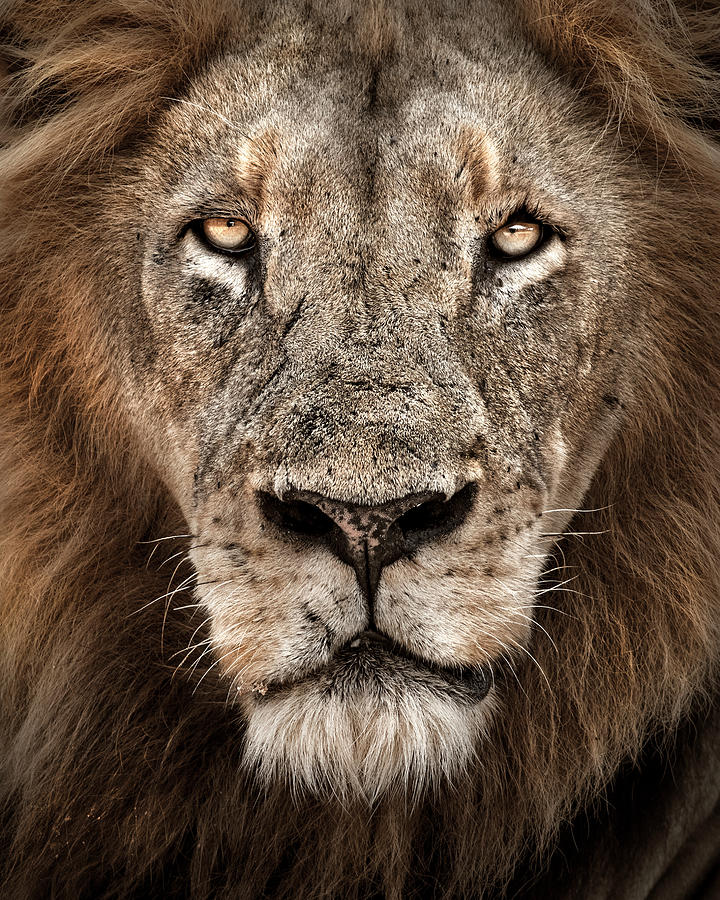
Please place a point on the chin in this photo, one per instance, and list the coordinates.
(374, 721)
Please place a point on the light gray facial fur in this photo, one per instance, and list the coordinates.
(372, 348)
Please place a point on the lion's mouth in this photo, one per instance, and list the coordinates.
(477, 679)
(374, 661)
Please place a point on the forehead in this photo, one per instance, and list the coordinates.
(313, 106)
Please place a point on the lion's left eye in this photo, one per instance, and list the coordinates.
(230, 235)
(517, 238)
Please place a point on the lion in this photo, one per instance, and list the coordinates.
(360, 449)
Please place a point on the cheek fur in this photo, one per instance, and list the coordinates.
(267, 625)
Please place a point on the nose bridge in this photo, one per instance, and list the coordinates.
(373, 402)
(357, 329)
(366, 324)
(372, 416)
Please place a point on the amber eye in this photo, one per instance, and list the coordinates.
(517, 238)
(230, 235)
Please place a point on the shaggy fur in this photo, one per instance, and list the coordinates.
(120, 776)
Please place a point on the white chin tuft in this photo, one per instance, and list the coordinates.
(374, 739)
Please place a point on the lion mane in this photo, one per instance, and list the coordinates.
(120, 771)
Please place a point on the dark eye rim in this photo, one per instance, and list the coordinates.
(196, 226)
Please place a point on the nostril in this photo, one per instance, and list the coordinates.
(435, 517)
(295, 515)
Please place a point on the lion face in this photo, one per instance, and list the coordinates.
(376, 347)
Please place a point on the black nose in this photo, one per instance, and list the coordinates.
(369, 537)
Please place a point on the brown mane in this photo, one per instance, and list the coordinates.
(120, 776)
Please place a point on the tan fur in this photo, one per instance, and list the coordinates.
(121, 773)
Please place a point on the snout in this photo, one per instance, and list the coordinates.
(368, 538)
(358, 511)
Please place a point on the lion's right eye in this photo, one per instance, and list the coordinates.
(228, 235)
(517, 238)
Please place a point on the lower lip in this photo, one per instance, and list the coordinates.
(474, 681)
(371, 656)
